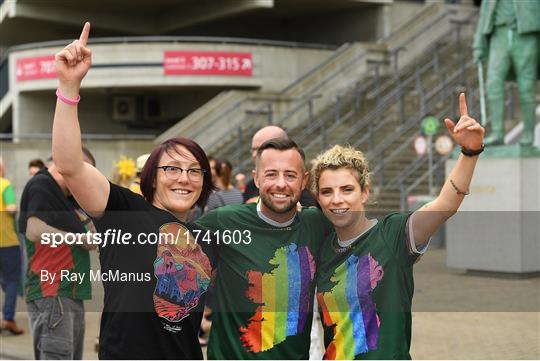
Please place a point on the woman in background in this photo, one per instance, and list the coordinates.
(226, 193)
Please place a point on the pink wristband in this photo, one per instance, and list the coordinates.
(66, 100)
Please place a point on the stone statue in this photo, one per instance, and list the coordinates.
(508, 37)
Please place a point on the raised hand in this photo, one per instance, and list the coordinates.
(73, 62)
(468, 133)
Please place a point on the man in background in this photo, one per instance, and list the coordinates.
(34, 166)
(10, 253)
(251, 192)
(55, 305)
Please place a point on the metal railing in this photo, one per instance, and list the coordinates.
(240, 153)
(384, 96)
(4, 78)
(267, 108)
(399, 182)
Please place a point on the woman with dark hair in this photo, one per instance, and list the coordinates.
(154, 274)
(225, 193)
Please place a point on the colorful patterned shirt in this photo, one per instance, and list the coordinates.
(67, 266)
(265, 283)
(365, 293)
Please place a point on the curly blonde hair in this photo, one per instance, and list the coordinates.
(341, 157)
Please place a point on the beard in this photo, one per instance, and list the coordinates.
(279, 209)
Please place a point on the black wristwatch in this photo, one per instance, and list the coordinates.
(472, 153)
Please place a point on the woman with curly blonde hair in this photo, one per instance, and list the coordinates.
(365, 281)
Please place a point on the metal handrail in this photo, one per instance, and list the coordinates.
(409, 39)
(222, 116)
(409, 169)
(436, 167)
(353, 61)
(406, 126)
(366, 120)
(399, 181)
(411, 122)
(420, 179)
(385, 101)
(337, 52)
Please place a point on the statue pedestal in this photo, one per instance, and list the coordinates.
(498, 225)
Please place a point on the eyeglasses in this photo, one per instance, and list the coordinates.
(173, 173)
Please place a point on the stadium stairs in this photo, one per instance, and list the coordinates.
(371, 96)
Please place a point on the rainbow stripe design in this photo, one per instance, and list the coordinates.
(349, 309)
(283, 296)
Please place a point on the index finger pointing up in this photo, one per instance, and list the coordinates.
(83, 39)
(463, 105)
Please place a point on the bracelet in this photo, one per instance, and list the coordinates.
(472, 153)
(459, 191)
(66, 100)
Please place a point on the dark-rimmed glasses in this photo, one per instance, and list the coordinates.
(173, 173)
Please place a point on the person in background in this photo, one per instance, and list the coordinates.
(225, 193)
(251, 192)
(34, 166)
(10, 253)
(135, 185)
(124, 172)
(47, 208)
(240, 182)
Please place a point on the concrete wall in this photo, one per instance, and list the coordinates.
(33, 100)
(273, 67)
(335, 27)
(498, 224)
(402, 11)
(36, 110)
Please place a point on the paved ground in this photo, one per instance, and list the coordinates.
(457, 316)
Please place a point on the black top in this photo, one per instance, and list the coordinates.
(43, 198)
(154, 292)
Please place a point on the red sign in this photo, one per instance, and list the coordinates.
(41, 67)
(207, 63)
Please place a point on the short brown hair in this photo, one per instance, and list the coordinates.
(281, 144)
(36, 163)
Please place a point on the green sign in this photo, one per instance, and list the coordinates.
(430, 125)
